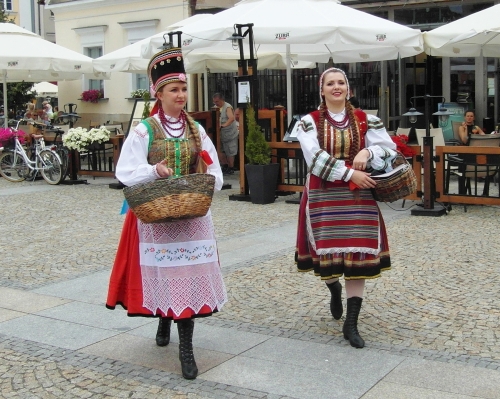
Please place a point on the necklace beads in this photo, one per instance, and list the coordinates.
(342, 124)
(170, 127)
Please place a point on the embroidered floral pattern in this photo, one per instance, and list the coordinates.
(205, 252)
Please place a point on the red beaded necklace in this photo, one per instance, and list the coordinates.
(169, 126)
(342, 124)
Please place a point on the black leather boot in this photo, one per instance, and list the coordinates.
(163, 333)
(336, 301)
(350, 328)
(186, 356)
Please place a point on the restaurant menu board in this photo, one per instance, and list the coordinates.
(137, 111)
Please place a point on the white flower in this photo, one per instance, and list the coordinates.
(79, 138)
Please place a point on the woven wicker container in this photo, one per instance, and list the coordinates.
(166, 200)
(397, 185)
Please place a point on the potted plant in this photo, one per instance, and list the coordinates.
(262, 175)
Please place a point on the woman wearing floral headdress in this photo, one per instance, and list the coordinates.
(341, 230)
(152, 276)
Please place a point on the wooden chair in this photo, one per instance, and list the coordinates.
(437, 141)
(456, 136)
(476, 167)
(117, 123)
(403, 131)
(93, 124)
(115, 129)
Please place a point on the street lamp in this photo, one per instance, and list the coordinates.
(428, 158)
(246, 92)
(70, 117)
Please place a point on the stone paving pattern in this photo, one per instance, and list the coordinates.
(439, 301)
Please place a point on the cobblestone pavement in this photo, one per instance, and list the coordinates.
(439, 301)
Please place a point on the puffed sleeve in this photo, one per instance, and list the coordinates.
(380, 144)
(214, 169)
(133, 167)
(319, 162)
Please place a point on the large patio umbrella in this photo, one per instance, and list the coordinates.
(130, 59)
(26, 56)
(305, 30)
(135, 57)
(472, 36)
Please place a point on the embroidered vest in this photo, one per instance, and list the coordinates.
(181, 154)
(337, 142)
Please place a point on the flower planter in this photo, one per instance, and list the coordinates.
(262, 182)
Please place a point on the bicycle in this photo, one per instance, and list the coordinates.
(16, 166)
(57, 146)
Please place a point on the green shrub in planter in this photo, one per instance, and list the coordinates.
(257, 149)
(262, 175)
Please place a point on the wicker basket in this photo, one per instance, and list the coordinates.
(397, 185)
(166, 200)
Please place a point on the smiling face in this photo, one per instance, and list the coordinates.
(173, 97)
(469, 117)
(334, 89)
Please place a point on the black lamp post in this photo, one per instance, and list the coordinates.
(428, 158)
(247, 92)
(70, 117)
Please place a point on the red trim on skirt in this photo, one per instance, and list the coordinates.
(125, 282)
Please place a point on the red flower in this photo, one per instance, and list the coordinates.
(92, 96)
(402, 146)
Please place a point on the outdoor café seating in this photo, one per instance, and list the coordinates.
(475, 169)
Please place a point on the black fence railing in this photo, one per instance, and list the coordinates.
(364, 82)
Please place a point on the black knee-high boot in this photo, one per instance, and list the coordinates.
(186, 356)
(336, 301)
(163, 333)
(350, 329)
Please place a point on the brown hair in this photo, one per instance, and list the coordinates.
(194, 132)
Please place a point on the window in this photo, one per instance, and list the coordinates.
(136, 31)
(141, 81)
(94, 52)
(92, 42)
(7, 5)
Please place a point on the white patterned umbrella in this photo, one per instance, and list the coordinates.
(304, 30)
(471, 36)
(26, 56)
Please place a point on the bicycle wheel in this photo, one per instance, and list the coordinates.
(50, 166)
(64, 157)
(12, 166)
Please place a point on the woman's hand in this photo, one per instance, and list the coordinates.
(361, 159)
(363, 179)
(162, 170)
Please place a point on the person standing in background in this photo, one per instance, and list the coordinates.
(228, 132)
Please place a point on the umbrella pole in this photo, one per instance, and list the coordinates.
(5, 109)
(289, 85)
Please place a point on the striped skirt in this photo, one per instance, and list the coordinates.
(340, 232)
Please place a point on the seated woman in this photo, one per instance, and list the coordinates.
(468, 128)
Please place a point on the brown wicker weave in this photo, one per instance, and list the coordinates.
(166, 200)
(398, 185)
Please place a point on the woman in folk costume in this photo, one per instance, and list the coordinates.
(152, 274)
(341, 230)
